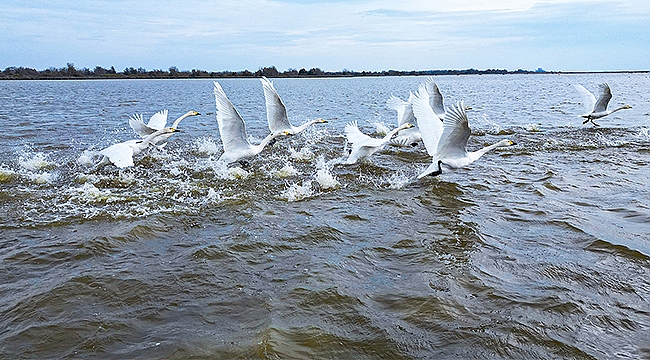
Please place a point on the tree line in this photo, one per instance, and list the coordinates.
(71, 72)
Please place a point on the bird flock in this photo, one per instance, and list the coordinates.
(421, 118)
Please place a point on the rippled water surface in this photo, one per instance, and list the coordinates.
(540, 250)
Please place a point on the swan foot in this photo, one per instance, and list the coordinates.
(244, 164)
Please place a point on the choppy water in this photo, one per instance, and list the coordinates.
(541, 250)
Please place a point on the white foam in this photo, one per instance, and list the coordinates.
(90, 193)
(380, 128)
(287, 171)
(34, 161)
(6, 175)
(206, 146)
(304, 155)
(326, 180)
(86, 158)
(297, 192)
(44, 177)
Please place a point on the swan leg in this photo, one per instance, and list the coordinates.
(244, 164)
(592, 121)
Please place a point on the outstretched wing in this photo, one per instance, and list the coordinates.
(428, 122)
(435, 97)
(354, 135)
(158, 120)
(276, 112)
(119, 154)
(231, 124)
(137, 124)
(588, 99)
(455, 133)
(603, 100)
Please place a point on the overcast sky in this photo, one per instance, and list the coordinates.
(217, 35)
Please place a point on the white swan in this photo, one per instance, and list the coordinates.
(156, 122)
(597, 109)
(122, 154)
(363, 145)
(406, 137)
(276, 112)
(410, 137)
(451, 149)
(232, 128)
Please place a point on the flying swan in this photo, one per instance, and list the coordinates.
(122, 154)
(451, 147)
(597, 109)
(276, 112)
(232, 128)
(363, 145)
(156, 122)
(411, 137)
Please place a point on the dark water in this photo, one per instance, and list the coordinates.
(541, 250)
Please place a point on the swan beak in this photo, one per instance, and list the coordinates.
(322, 120)
(175, 130)
(196, 113)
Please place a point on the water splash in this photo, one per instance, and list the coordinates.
(324, 176)
(206, 146)
(287, 171)
(380, 128)
(304, 155)
(296, 192)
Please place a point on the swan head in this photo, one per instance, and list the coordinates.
(506, 142)
(193, 113)
(407, 126)
(626, 106)
(320, 121)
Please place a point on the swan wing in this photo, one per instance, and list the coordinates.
(354, 135)
(588, 99)
(231, 124)
(603, 99)
(401, 106)
(119, 154)
(455, 133)
(428, 122)
(158, 120)
(276, 112)
(137, 124)
(435, 97)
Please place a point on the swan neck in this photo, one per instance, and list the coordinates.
(264, 143)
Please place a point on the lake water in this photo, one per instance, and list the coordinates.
(539, 250)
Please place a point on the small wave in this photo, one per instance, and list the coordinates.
(7, 175)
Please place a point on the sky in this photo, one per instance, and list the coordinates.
(372, 35)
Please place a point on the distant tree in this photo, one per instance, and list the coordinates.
(268, 72)
(70, 70)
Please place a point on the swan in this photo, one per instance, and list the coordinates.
(597, 109)
(122, 154)
(156, 122)
(363, 145)
(451, 149)
(276, 112)
(406, 137)
(232, 128)
(405, 112)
